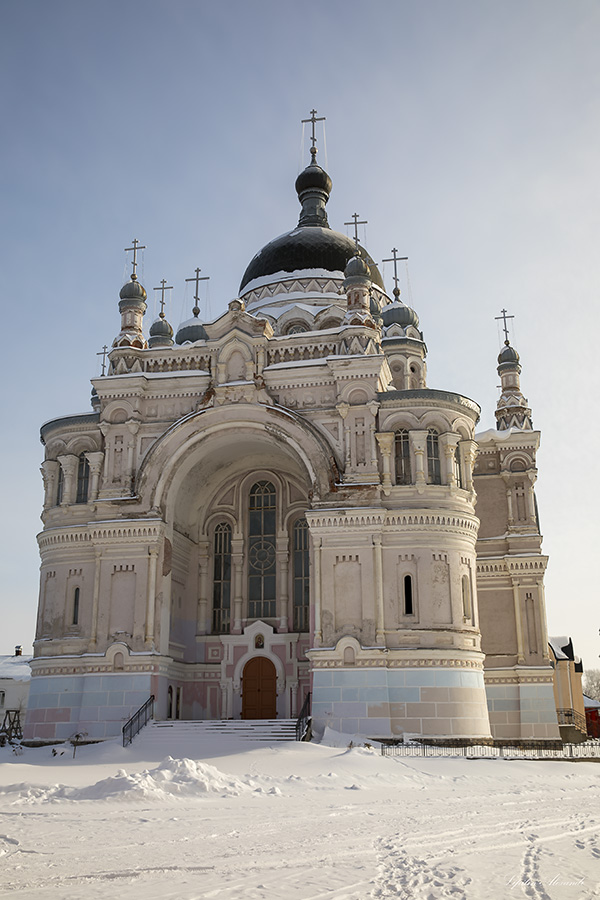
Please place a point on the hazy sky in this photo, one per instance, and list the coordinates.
(466, 133)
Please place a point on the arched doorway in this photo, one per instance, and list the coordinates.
(259, 689)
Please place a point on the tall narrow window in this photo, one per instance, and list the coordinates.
(83, 479)
(466, 597)
(222, 579)
(76, 606)
(408, 595)
(262, 589)
(457, 468)
(402, 445)
(433, 457)
(301, 575)
(60, 485)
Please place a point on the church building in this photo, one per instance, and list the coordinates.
(275, 503)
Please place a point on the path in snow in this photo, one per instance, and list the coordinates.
(296, 822)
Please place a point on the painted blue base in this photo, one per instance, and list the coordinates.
(387, 702)
(99, 705)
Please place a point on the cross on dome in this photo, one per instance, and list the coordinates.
(313, 120)
(135, 248)
(163, 287)
(504, 317)
(356, 223)
(103, 353)
(197, 279)
(395, 259)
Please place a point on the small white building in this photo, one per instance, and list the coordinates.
(15, 678)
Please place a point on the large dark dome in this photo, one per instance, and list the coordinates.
(307, 247)
(312, 244)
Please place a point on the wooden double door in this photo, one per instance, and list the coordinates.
(259, 689)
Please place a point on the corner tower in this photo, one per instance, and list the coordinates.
(511, 566)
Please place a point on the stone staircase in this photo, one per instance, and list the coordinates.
(171, 732)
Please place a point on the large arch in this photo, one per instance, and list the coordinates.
(229, 437)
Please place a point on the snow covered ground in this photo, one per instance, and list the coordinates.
(294, 822)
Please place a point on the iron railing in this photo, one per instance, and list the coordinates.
(570, 717)
(303, 720)
(524, 750)
(138, 720)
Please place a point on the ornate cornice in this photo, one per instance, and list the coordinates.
(389, 519)
(141, 531)
(513, 565)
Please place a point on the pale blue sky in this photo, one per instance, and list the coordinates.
(467, 133)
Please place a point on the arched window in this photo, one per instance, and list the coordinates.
(402, 449)
(300, 575)
(466, 597)
(262, 588)
(407, 590)
(434, 475)
(457, 468)
(222, 579)
(60, 485)
(76, 606)
(83, 479)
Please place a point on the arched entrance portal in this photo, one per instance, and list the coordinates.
(259, 689)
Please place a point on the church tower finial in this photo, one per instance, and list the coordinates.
(132, 306)
(313, 184)
(512, 410)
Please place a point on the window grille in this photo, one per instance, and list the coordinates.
(434, 474)
(222, 579)
(262, 588)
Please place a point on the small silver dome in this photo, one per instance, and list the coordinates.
(133, 290)
(191, 331)
(399, 314)
(508, 354)
(357, 268)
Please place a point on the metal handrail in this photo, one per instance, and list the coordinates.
(140, 718)
(303, 719)
(571, 717)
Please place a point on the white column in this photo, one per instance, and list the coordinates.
(343, 409)
(95, 461)
(95, 597)
(418, 440)
(378, 579)
(151, 596)
(237, 566)
(518, 623)
(373, 408)
(203, 621)
(49, 470)
(283, 573)
(385, 439)
(317, 590)
(69, 464)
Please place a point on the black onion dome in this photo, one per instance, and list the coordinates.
(398, 313)
(133, 290)
(313, 178)
(508, 354)
(307, 247)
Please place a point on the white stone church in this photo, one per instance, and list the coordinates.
(275, 503)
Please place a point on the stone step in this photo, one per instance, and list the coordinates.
(262, 730)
